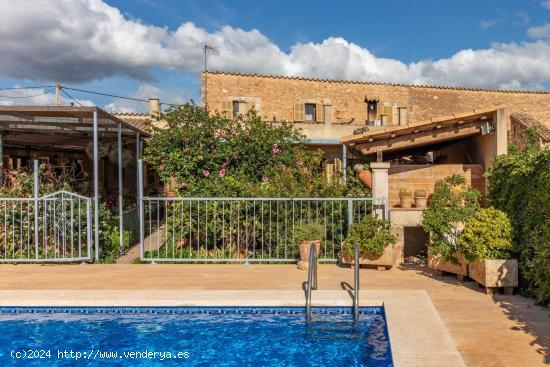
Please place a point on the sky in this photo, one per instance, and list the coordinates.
(153, 48)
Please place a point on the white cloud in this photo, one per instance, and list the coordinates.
(523, 17)
(82, 40)
(488, 23)
(539, 32)
(36, 96)
(545, 4)
(144, 92)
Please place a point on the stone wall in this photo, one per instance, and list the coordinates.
(275, 98)
(424, 177)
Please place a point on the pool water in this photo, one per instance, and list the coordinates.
(192, 336)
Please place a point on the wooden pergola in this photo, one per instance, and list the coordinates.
(419, 133)
(71, 127)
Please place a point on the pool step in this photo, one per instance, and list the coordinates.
(320, 329)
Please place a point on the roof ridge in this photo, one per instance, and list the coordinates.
(328, 80)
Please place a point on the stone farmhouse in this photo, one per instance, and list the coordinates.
(412, 135)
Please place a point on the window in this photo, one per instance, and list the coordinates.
(311, 114)
(239, 108)
(372, 110)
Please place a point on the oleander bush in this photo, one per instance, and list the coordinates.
(487, 235)
(519, 185)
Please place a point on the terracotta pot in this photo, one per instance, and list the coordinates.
(304, 247)
(420, 202)
(366, 178)
(406, 201)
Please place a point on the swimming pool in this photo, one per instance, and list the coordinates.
(192, 336)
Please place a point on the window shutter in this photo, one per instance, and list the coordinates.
(299, 112)
(388, 111)
(320, 112)
(227, 106)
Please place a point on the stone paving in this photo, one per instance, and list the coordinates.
(497, 330)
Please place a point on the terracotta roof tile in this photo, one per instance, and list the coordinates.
(376, 83)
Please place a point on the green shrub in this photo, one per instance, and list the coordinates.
(519, 185)
(309, 232)
(372, 235)
(405, 192)
(452, 202)
(488, 235)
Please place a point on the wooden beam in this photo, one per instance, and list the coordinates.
(422, 138)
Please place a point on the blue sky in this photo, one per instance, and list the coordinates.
(144, 48)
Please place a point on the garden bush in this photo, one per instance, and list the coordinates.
(453, 203)
(372, 235)
(487, 235)
(519, 185)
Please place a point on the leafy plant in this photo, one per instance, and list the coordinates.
(420, 194)
(372, 235)
(405, 192)
(309, 231)
(452, 203)
(488, 235)
(519, 185)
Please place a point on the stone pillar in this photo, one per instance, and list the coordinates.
(154, 108)
(502, 122)
(380, 188)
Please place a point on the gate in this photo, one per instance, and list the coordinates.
(55, 228)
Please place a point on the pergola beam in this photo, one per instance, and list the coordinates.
(421, 138)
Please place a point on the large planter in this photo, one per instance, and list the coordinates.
(304, 247)
(495, 273)
(366, 178)
(383, 261)
(437, 263)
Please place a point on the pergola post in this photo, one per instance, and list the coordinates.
(96, 186)
(120, 197)
(138, 156)
(345, 163)
(1, 159)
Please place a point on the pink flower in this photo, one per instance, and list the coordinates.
(233, 132)
(275, 149)
(222, 173)
(201, 158)
(264, 178)
(299, 162)
(206, 173)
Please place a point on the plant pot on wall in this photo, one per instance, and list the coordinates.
(405, 197)
(420, 199)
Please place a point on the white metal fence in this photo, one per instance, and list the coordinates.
(56, 227)
(51, 228)
(244, 229)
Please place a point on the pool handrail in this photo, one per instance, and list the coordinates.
(311, 279)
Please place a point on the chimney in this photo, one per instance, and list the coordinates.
(154, 108)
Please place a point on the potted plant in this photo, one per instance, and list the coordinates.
(420, 199)
(452, 204)
(486, 243)
(306, 235)
(363, 173)
(375, 242)
(405, 197)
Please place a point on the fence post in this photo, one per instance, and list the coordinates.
(350, 212)
(36, 172)
(140, 208)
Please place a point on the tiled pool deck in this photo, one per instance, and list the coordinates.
(487, 331)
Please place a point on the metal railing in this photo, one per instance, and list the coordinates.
(243, 229)
(311, 280)
(356, 284)
(52, 228)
